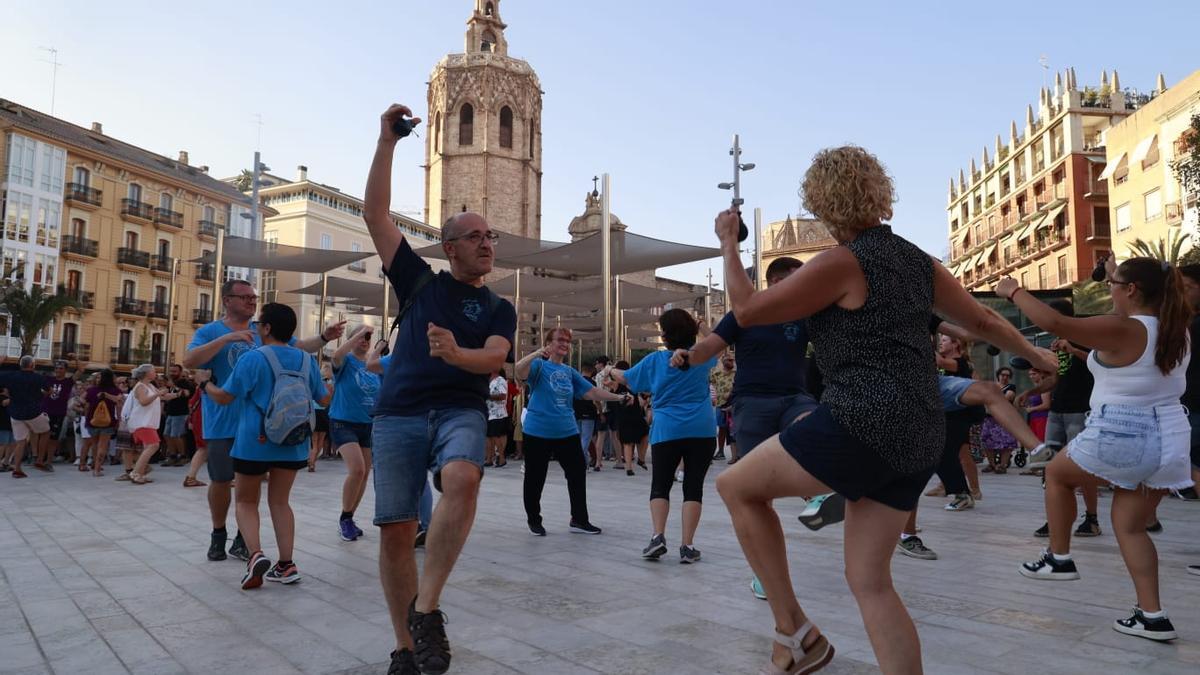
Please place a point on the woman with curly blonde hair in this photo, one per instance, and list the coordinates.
(878, 432)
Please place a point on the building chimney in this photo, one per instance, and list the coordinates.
(301, 173)
(204, 168)
(183, 157)
(97, 128)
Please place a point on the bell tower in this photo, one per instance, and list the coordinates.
(483, 149)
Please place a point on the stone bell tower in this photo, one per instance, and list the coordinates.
(483, 149)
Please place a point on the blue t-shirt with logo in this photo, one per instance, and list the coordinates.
(553, 390)
(680, 399)
(221, 421)
(251, 384)
(354, 391)
(771, 360)
(415, 382)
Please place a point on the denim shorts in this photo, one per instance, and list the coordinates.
(1130, 446)
(757, 418)
(341, 433)
(952, 389)
(408, 446)
(176, 426)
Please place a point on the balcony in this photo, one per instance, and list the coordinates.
(137, 211)
(133, 259)
(71, 350)
(1100, 231)
(168, 218)
(162, 265)
(84, 300)
(128, 356)
(205, 273)
(83, 196)
(78, 248)
(129, 307)
(207, 229)
(201, 316)
(157, 310)
(357, 266)
(1098, 188)
(1174, 211)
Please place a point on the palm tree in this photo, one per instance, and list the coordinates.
(32, 311)
(1091, 297)
(1169, 250)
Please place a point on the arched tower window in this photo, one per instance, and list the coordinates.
(506, 127)
(489, 10)
(532, 122)
(466, 125)
(489, 40)
(437, 132)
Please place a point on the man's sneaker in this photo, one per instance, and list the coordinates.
(347, 530)
(1043, 531)
(961, 503)
(431, 649)
(1159, 629)
(216, 548)
(688, 555)
(584, 528)
(720, 455)
(1039, 457)
(403, 663)
(823, 510)
(238, 548)
(255, 569)
(756, 588)
(1089, 526)
(357, 530)
(913, 547)
(420, 540)
(1047, 567)
(284, 575)
(537, 530)
(656, 548)
(1188, 494)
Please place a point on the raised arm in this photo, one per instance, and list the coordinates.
(1107, 333)
(347, 346)
(602, 394)
(711, 345)
(377, 201)
(199, 355)
(521, 368)
(375, 357)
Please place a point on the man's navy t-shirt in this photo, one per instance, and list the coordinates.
(771, 360)
(416, 382)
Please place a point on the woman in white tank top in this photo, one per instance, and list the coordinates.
(144, 414)
(1136, 437)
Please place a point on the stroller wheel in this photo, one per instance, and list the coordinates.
(1019, 458)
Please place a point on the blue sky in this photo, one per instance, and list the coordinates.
(649, 92)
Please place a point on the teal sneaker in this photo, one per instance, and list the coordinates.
(757, 589)
(823, 510)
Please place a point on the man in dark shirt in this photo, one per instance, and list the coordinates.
(58, 389)
(431, 411)
(29, 423)
(175, 413)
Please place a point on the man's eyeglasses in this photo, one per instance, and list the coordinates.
(476, 238)
(247, 298)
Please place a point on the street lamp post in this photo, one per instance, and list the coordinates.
(736, 186)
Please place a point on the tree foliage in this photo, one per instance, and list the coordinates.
(33, 310)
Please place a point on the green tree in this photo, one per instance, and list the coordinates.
(1170, 249)
(1187, 167)
(32, 311)
(1091, 297)
(244, 181)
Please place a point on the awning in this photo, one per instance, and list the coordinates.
(967, 265)
(1112, 167)
(507, 246)
(987, 252)
(261, 255)
(979, 260)
(1142, 149)
(1024, 234)
(1049, 219)
(540, 288)
(962, 234)
(630, 253)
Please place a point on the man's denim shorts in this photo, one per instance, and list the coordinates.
(952, 389)
(405, 447)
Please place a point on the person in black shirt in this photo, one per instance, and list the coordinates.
(175, 414)
(1191, 397)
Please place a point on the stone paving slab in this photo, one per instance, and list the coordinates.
(103, 577)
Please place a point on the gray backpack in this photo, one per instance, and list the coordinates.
(285, 421)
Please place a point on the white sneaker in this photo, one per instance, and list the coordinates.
(1039, 457)
(679, 475)
(522, 467)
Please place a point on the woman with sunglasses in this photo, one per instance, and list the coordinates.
(550, 428)
(1137, 436)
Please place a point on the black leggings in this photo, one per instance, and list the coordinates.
(958, 432)
(696, 453)
(537, 462)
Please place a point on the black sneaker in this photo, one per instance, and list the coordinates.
(238, 548)
(420, 540)
(537, 530)
(216, 548)
(431, 649)
(1188, 494)
(657, 547)
(1089, 527)
(1048, 568)
(1155, 528)
(1043, 531)
(719, 455)
(1159, 629)
(584, 528)
(403, 663)
(688, 555)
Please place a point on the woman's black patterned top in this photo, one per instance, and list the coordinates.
(878, 363)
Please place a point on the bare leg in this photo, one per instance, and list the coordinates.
(452, 520)
(1091, 494)
(356, 475)
(659, 510)
(143, 459)
(1153, 498)
(279, 487)
(969, 467)
(246, 513)
(1062, 477)
(988, 394)
(627, 454)
(362, 487)
(198, 460)
(398, 575)
(1129, 512)
(691, 520)
(910, 525)
(643, 446)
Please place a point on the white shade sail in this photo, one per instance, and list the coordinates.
(261, 255)
(630, 253)
(507, 246)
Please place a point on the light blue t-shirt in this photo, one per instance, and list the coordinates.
(681, 402)
(251, 384)
(553, 390)
(354, 391)
(221, 421)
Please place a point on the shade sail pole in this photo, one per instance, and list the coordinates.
(167, 358)
(542, 322)
(383, 323)
(758, 271)
(616, 315)
(606, 260)
(321, 319)
(219, 270)
(517, 337)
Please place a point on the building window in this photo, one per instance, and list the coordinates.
(532, 122)
(506, 127)
(129, 289)
(135, 192)
(269, 289)
(164, 248)
(22, 155)
(1062, 270)
(206, 301)
(131, 241)
(488, 10)
(74, 280)
(70, 337)
(49, 216)
(437, 131)
(54, 167)
(1122, 217)
(489, 41)
(165, 201)
(326, 241)
(1153, 203)
(18, 216)
(83, 177)
(160, 295)
(78, 228)
(125, 342)
(1043, 278)
(466, 125)
(1100, 222)
(210, 214)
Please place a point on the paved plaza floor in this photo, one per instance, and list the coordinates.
(104, 577)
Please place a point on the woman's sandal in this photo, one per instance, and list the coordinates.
(192, 482)
(817, 656)
(139, 479)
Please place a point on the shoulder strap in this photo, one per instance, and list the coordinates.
(272, 360)
(421, 282)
